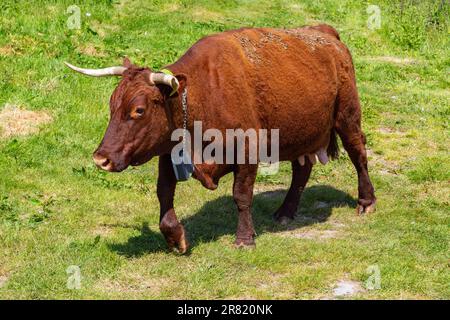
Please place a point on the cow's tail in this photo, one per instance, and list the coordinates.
(333, 147)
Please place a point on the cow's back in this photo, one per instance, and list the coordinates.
(286, 79)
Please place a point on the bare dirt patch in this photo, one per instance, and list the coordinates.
(344, 289)
(347, 288)
(17, 121)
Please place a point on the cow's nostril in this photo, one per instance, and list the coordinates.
(102, 162)
(105, 163)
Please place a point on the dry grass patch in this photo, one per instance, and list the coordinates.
(202, 14)
(394, 60)
(135, 283)
(314, 227)
(91, 50)
(3, 280)
(16, 121)
(296, 7)
(170, 7)
(102, 230)
(390, 131)
(46, 85)
(7, 50)
(383, 165)
(103, 29)
(312, 234)
(244, 297)
(273, 286)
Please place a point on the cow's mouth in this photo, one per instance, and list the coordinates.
(138, 163)
(140, 160)
(115, 167)
(119, 164)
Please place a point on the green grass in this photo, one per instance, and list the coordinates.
(57, 210)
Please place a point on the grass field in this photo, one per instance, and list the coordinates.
(57, 210)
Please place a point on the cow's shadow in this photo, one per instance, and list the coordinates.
(219, 217)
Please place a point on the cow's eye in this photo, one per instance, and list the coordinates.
(137, 112)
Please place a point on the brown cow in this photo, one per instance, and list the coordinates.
(300, 81)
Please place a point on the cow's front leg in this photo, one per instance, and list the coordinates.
(244, 179)
(169, 225)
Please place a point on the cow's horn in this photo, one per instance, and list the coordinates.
(167, 79)
(111, 71)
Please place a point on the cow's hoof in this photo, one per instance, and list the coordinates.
(283, 220)
(245, 243)
(366, 209)
(284, 216)
(181, 247)
(176, 240)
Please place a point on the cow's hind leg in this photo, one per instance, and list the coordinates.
(300, 176)
(244, 179)
(348, 126)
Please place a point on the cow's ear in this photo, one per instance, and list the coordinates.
(126, 62)
(182, 79)
(169, 92)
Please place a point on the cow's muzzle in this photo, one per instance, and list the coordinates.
(111, 162)
(103, 162)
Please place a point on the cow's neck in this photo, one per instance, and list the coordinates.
(195, 94)
(175, 114)
(207, 174)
